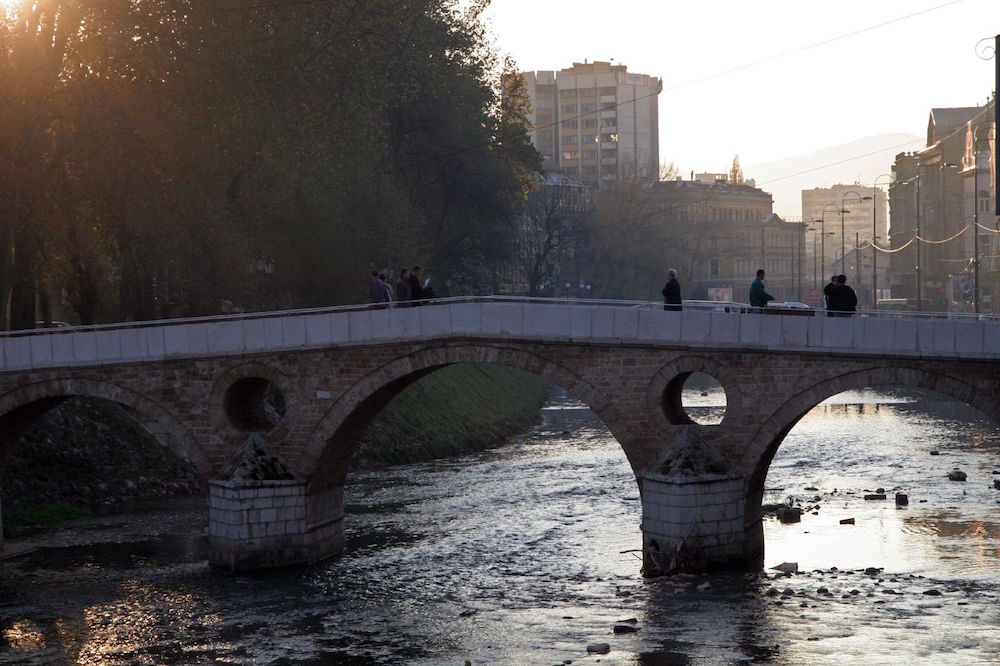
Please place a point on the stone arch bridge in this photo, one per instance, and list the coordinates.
(203, 387)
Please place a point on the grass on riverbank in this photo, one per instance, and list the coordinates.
(29, 520)
(459, 409)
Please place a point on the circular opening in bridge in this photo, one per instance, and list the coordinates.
(255, 404)
(694, 397)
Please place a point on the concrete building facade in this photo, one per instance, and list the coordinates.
(929, 216)
(979, 168)
(727, 231)
(596, 121)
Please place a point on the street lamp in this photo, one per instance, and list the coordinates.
(597, 140)
(875, 236)
(975, 225)
(843, 244)
(822, 224)
(916, 235)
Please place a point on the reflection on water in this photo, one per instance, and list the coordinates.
(526, 554)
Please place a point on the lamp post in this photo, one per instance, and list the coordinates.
(975, 226)
(815, 258)
(874, 237)
(843, 235)
(597, 140)
(916, 268)
(822, 225)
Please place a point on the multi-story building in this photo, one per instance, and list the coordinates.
(724, 232)
(929, 217)
(840, 219)
(596, 121)
(979, 170)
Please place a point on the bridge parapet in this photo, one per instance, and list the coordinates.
(538, 320)
(699, 325)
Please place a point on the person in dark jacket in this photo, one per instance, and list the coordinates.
(403, 295)
(842, 299)
(672, 292)
(379, 290)
(827, 290)
(416, 290)
(758, 296)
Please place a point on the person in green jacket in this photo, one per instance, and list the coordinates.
(759, 297)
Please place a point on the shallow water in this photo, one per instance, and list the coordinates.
(527, 555)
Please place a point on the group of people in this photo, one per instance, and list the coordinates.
(838, 298)
(410, 291)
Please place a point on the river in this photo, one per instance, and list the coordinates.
(526, 554)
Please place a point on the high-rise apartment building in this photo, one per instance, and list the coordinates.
(596, 121)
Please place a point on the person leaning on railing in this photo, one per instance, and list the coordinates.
(758, 296)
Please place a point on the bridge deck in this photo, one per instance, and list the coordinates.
(699, 325)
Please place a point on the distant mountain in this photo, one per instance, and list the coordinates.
(860, 161)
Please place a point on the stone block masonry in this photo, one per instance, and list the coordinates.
(206, 385)
(691, 524)
(265, 524)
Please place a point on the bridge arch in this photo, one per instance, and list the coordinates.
(20, 408)
(667, 384)
(241, 403)
(763, 446)
(329, 448)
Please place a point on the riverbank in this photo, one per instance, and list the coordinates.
(87, 453)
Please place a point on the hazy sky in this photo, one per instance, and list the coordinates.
(769, 80)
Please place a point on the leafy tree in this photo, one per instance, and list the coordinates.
(163, 157)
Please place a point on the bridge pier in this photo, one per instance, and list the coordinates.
(690, 524)
(263, 524)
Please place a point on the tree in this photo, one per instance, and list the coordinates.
(155, 153)
(553, 214)
(735, 172)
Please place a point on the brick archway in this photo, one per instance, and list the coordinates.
(329, 447)
(665, 387)
(763, 446)
(224, 430)
(21, 407)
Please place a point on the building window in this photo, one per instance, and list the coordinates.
(588, 138)
(570, 155)
(590, 122)
(588, 108)
(568, 108)
(568, 93)
(713, 267)
(569, 124)
(569, 139)
(589, 154)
